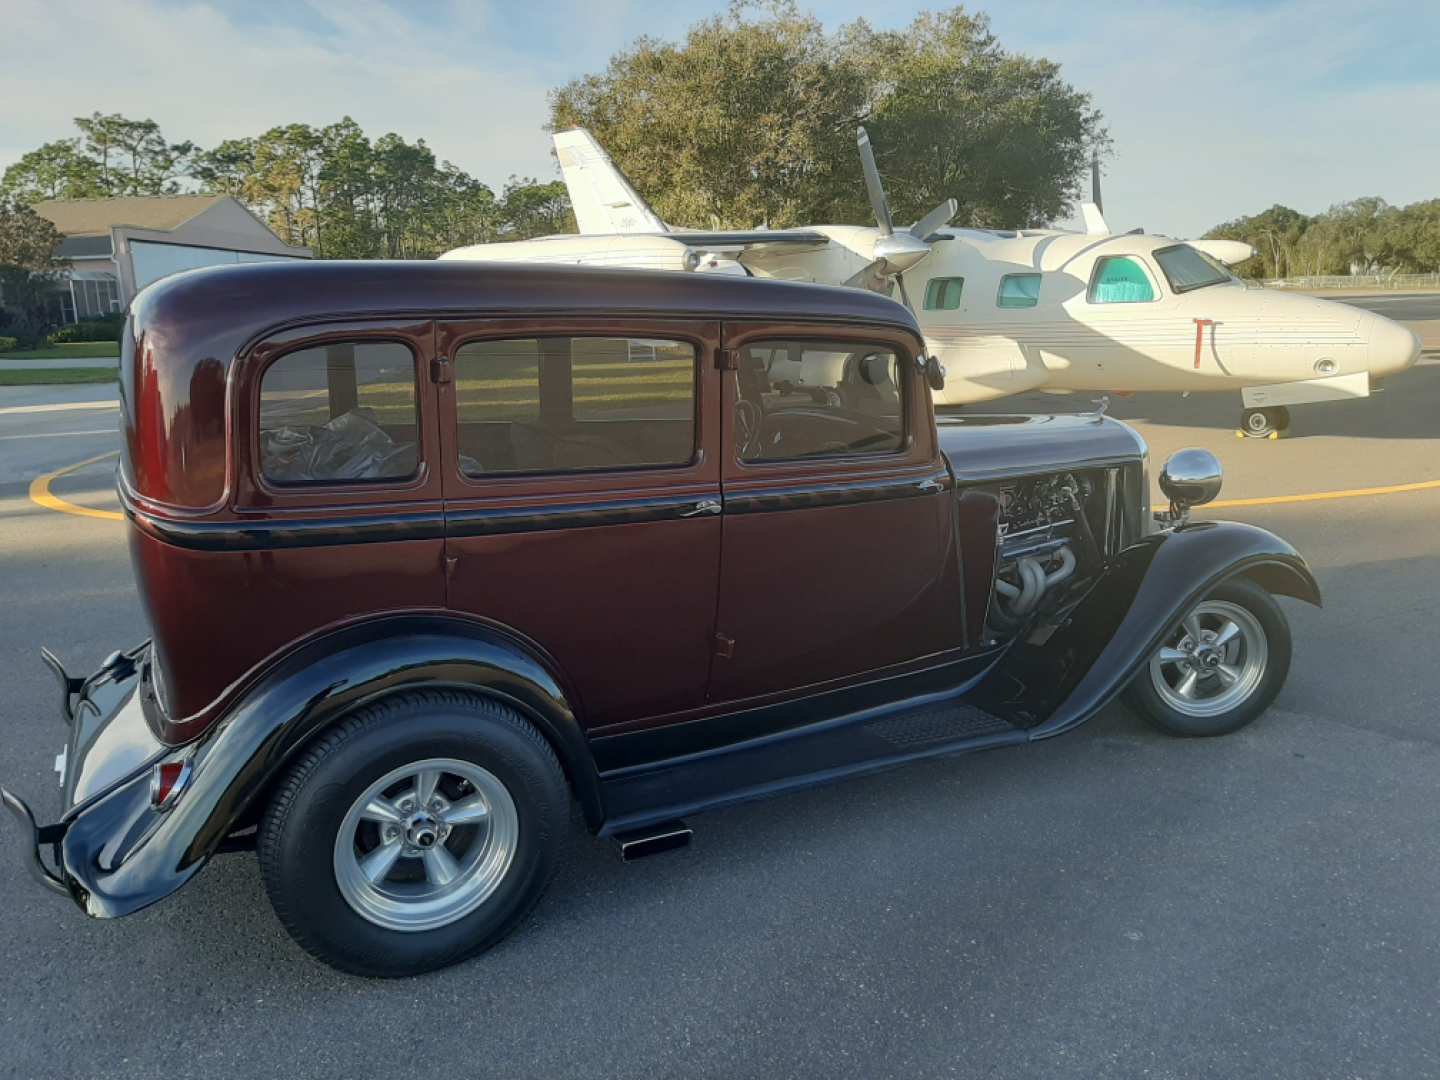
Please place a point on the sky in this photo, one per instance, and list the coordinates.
(1216, 109)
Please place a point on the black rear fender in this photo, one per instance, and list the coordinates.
(236, 762)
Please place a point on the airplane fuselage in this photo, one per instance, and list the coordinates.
(1008, 312)
(1104, 315)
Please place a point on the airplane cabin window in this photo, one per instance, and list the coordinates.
(1120, 280)
(943, 293)
(1187, 269)
(1018, 291)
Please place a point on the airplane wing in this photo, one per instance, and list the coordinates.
(755, 238)
(603, 200)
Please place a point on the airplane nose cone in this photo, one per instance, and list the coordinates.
(1393, 347)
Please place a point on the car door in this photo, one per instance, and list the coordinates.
(582, 498)
(840, 556)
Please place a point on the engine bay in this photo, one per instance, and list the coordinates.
(1051, 532)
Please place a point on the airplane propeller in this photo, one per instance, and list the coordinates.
(894, 252)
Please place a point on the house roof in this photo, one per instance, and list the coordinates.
(88, 217)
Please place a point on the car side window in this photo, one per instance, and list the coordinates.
(943, 294)
(574, 404)
(804, 399)
(344, 411)
(1018, 291)
(1118, 279)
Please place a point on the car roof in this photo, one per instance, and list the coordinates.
(264, 295)
(186, 333)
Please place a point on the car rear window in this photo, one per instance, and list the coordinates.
(574, 404)
(340, 412)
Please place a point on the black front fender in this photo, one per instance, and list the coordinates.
(125, 855)
(1062, 674)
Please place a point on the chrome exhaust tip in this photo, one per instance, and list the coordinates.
(653, 840)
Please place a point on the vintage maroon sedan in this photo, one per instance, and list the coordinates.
(433, 551)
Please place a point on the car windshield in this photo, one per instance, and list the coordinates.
(1186, 268)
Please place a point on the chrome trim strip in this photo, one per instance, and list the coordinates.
(808, 496)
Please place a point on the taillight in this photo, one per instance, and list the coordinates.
(168, 781)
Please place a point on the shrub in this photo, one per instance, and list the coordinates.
(105, 328)
(8, 343)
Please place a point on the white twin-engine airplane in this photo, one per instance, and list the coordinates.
(1007, 311)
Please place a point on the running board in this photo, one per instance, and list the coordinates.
(653, 840)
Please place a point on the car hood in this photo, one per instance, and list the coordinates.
(983, 448)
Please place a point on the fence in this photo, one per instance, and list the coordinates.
(1358, 281)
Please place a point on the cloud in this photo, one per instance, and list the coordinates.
(206, 75)
(1217, 108)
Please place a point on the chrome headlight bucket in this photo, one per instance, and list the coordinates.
(1191, 477)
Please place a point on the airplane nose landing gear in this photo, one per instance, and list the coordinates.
(1268, 423)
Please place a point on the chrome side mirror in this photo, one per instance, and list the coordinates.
(1191, 477)
(935, 373)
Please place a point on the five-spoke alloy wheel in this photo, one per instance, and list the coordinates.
(415, 833)
(1219, 667)
(426, 844)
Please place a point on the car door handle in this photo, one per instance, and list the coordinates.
(704, 506)
(928, 487)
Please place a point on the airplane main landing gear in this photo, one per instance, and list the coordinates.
(1269, 423)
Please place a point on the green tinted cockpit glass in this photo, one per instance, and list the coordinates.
(1118, 280)
(943, 293)
(1018, 291)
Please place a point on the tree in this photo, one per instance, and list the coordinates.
(57, 170)
(752, 121)
(954, 115)
(1276, 234)
(29, 268)
(530, 208)
(132, 156)
(328, 188)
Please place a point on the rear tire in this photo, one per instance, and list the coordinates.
(415, 834)
(1219, 667)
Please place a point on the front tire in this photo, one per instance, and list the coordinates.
(415, 834)
(1220, 667)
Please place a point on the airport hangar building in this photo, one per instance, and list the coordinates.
(114, 247)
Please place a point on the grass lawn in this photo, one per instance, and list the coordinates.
(52, 376)
(80, 350)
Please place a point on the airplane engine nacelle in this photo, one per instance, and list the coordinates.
(984, 368)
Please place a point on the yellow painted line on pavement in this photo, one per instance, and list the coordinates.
(64, 406)
(41, 495)
(1321, 496)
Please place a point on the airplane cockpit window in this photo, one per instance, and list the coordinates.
(1120, 280)
(943, 293)
(1018, 291)
(1186, 268)
(801, 399)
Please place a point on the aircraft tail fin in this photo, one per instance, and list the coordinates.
(603, 200)
(1094, 219)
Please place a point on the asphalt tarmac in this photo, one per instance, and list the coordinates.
(1110, 903)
